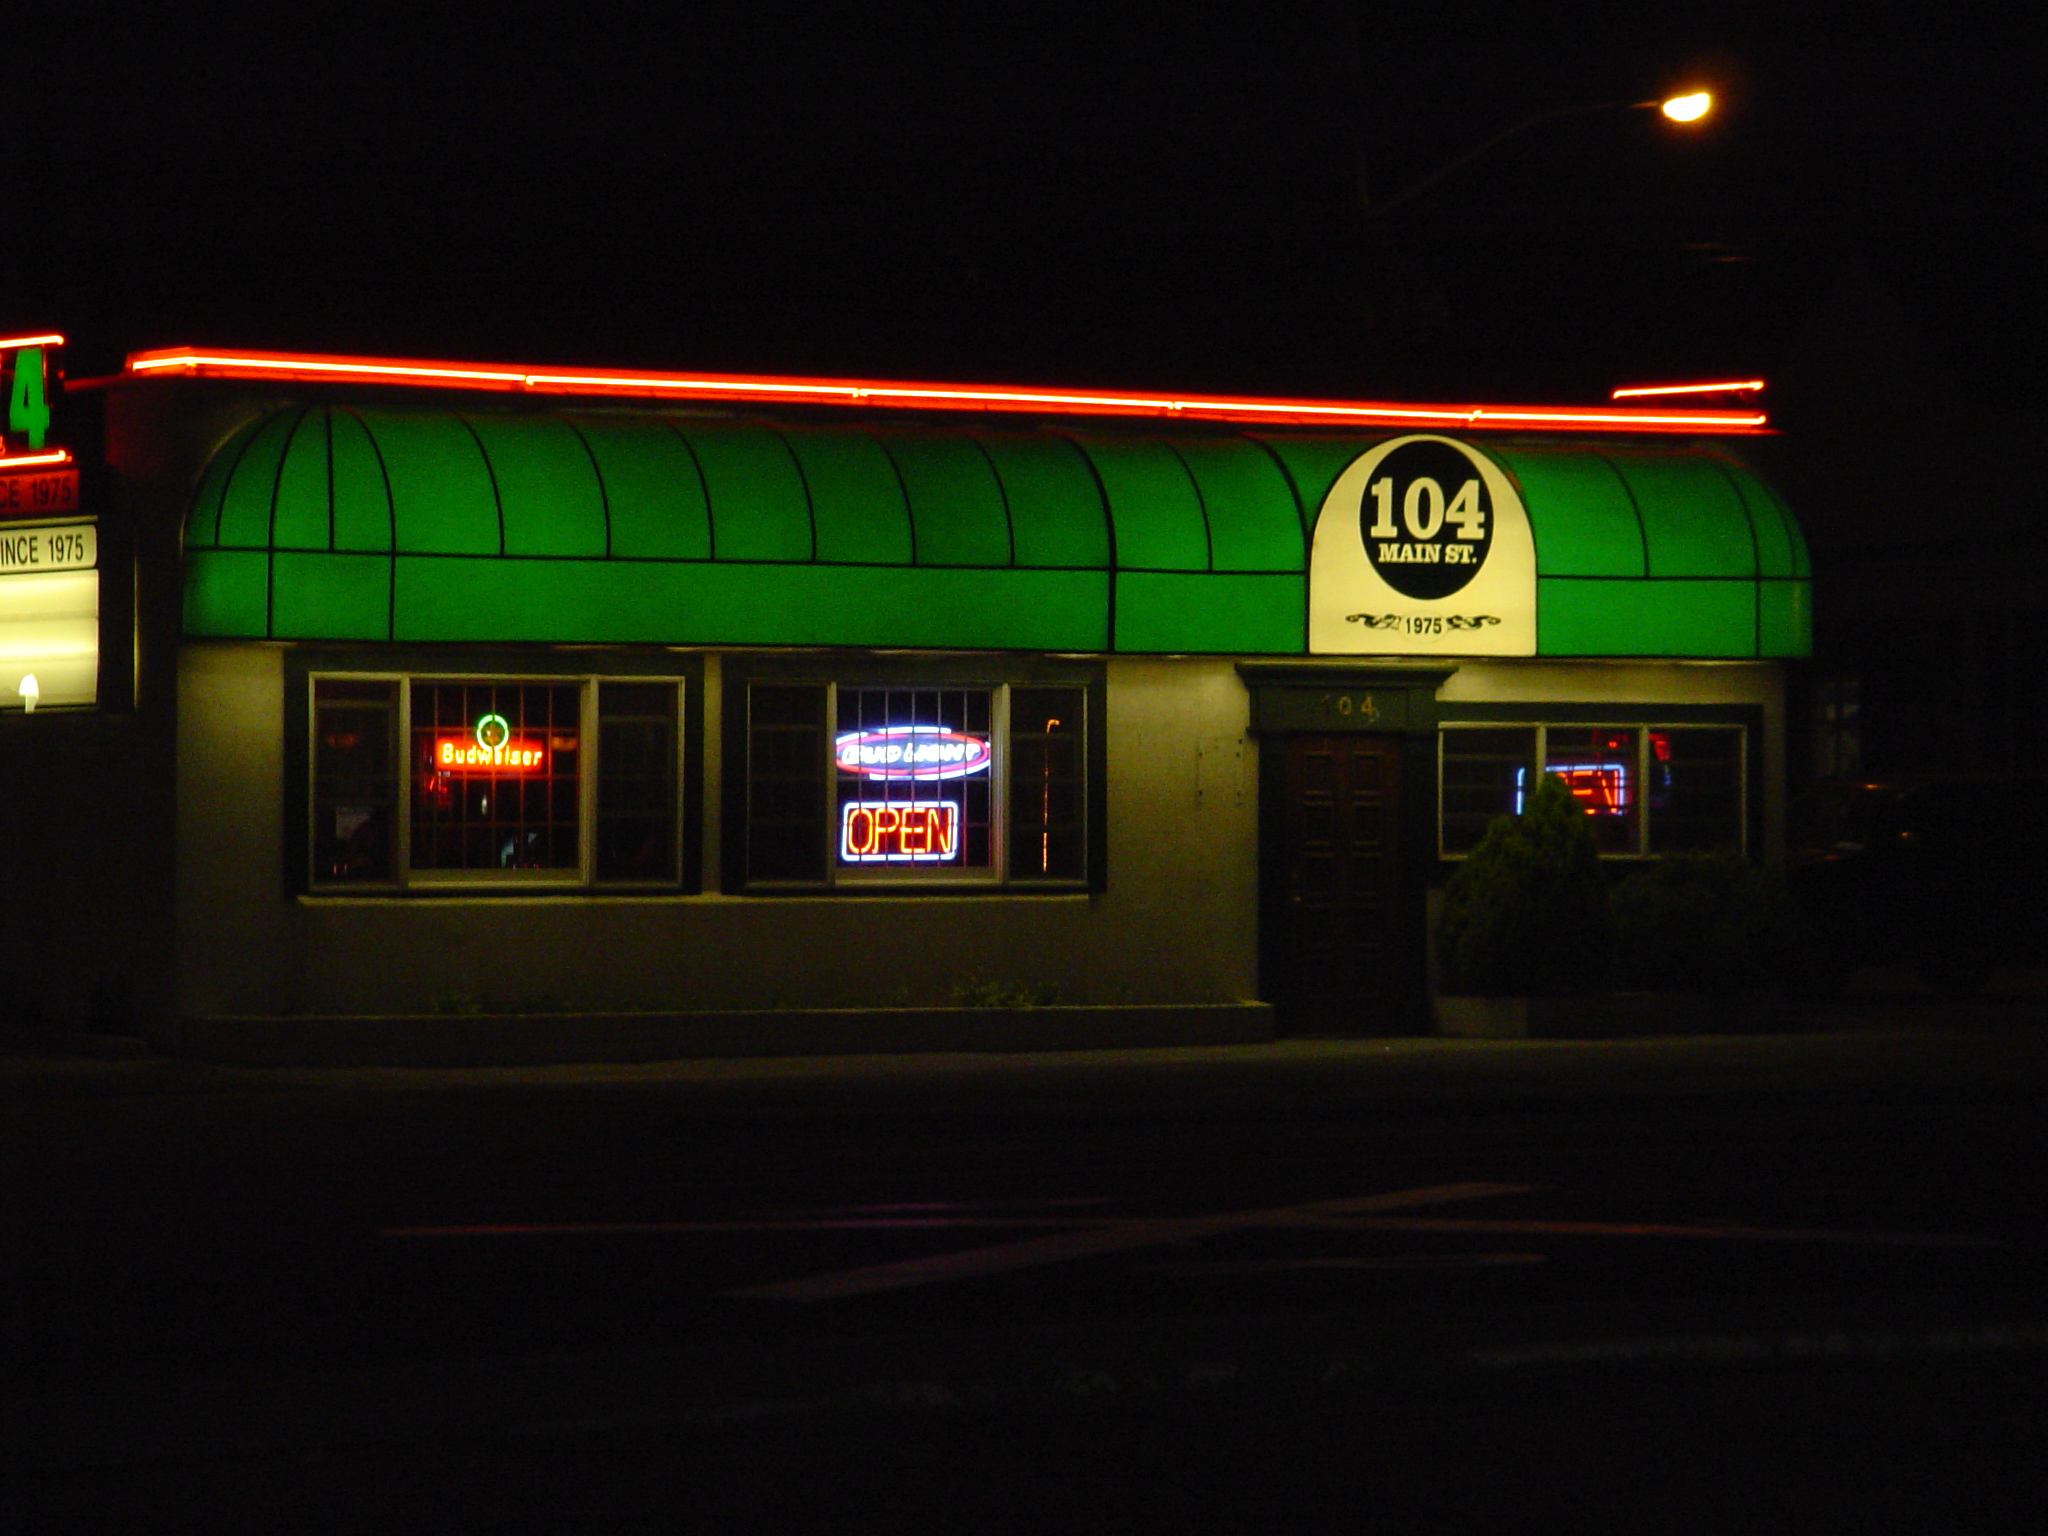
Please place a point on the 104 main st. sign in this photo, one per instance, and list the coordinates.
(1422, 547)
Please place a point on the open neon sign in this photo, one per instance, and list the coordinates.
(1601, 787)
(926, 832)
(492, 748)
(911, 752)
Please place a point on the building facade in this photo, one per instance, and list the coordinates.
(461, 691)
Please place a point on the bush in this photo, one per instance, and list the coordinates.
(1527, 914)
(1705, 922)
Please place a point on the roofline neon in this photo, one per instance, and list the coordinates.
(193, 363)
(1734, 386)
(31, 341)
(33, 460)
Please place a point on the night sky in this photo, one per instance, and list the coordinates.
(1150, 197)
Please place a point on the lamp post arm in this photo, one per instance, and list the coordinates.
(1379, 210)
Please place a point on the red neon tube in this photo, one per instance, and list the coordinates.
(896, 394)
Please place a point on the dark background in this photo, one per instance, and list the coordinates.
(1137, 195)
(1142, 196)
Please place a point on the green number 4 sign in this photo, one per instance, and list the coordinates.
(28, 406)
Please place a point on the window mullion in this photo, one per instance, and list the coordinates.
(401, 782)
(587, 769)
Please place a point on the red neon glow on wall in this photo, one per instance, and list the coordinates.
(193, 362)
(923, 833)
(463, 754)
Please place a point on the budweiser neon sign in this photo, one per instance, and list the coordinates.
(491, 748)
(911, 752)
(927, 832)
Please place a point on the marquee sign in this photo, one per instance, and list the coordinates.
(1422, 547)
(49, 567)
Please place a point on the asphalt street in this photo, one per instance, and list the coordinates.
(346, 1287)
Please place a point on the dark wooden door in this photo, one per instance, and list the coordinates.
(1336, 935)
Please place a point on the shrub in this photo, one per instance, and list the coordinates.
(1527, 914)
(1705, 922)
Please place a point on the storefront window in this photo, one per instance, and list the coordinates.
(496, 772)
(636, 781)
(1695, 789)
(915, 783)
(1048, 810)
(355, 740)
(1648, 789)
(500, 782)
(1485, 772)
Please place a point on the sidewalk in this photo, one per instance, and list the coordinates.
(1895, 1048)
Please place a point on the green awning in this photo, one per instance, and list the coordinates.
(330, 522)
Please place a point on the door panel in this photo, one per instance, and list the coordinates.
(1339, 885)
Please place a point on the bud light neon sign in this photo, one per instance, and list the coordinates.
(924, 832)
(911, 752)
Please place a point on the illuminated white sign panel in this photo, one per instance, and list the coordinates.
(920, 832)
(1422, 548)
(911, 752)
(49, 615)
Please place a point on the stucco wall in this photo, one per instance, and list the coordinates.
(1176, 924)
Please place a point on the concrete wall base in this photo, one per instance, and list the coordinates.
(506, 1040)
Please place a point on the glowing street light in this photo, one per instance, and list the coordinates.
(1688, 108)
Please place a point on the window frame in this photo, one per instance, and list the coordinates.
(307, 669)
(999, 677)
(1746, 722)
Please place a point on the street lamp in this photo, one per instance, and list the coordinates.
(1688, 108)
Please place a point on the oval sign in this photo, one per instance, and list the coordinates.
(911, 752)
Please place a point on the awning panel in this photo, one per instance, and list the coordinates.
(373, 524)
(550, 500)
(956, 505)
(856, 496)
(654, 491)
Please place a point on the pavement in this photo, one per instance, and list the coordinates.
(1908, 1047)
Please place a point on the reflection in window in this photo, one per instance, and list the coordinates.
(1599, 765)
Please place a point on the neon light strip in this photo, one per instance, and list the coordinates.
(24, 461)
(1729, 388)
(915, 396)
(31, 341)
